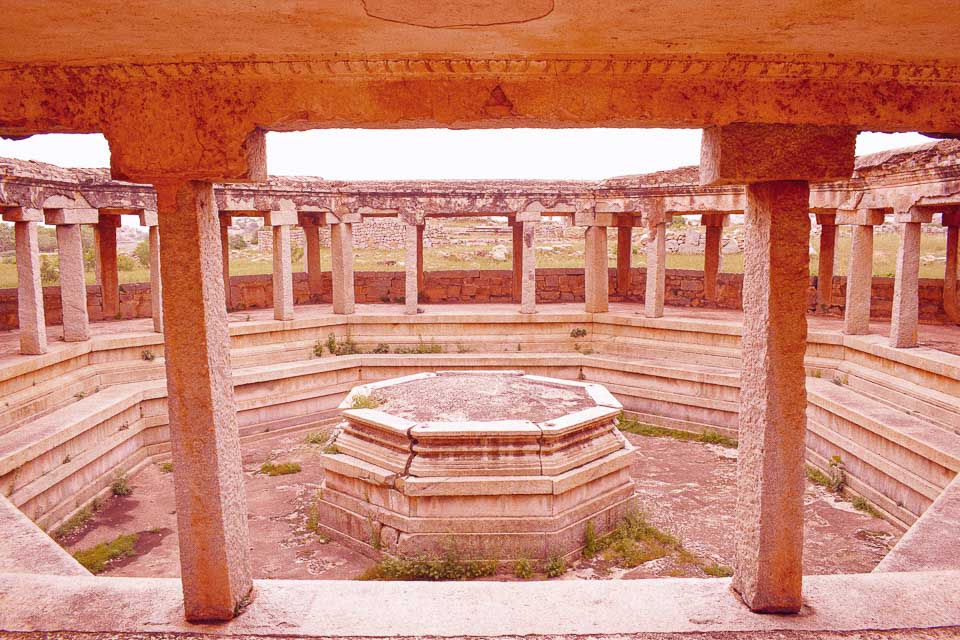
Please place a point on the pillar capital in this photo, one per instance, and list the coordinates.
(826, 218)
(743, 153)
(108, 218)
(951, 218)
(861, 217)
(915, 214)
(168, 144)
(71, 216)
(279, 218)
(714, 219)
(21, 214)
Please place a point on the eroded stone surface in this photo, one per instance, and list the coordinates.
(465, 398)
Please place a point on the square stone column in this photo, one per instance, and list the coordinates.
(32, 321)
(73, 286)
(517, 255)
(906, 287)
(208, 475)
(420, 277)
(156, 284)
(411, 262)
(341, 250)
(776, 162)
(827, 256)
(105, 237)
(311, 234)
(856, 315)
(528, 268)
(624, 257)
(282, 274)
(711, 254)
(596, 270)
(656, 269)
(225, 258)
(772, 421)
(951, 220)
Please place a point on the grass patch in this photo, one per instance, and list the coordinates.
(95, 559)
(555, 567)
(717, 570)
(430, 569)
(76, 522)
(364, 402)
(421, 347)
(120, 485)
(523, 569)
(632, 425)
(331, 449)
(863, 505)
(816, 476)
(316, 438)
(279, 468)
(165, 467)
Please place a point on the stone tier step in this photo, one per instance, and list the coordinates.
(899, 461)
(931, 405)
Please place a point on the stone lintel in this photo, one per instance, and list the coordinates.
(914, 214)
(862, 217)
(742, 153)
(609, 206)
(279, 218)
(71, 216)
(527, 216)
(345, 217)
(22, 214)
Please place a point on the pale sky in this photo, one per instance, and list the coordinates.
(359, 154)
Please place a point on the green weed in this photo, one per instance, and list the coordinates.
(96, 558)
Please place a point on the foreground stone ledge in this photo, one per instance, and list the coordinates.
(880, 605)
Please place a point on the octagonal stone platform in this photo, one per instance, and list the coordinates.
(483, 464)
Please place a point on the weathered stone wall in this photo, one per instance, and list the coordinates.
(684, 288)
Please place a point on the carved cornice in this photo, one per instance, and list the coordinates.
(733, 68)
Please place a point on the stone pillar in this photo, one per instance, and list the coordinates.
(776, 162)
(341, 251)
(33, 330)
(906, 287)
(828, 252)
(656, 269)
(951, 220)
(156, 283)
(856, 315)
(596, 270)
(225, 258)
(420, 230)
(282, 273)
(311, 234)
(411, 260)
(208, 476)
(73, 286)
(528, 268)
(106, 241)
(624, 255)
(517, 228)
(711, 254)
(772, 397)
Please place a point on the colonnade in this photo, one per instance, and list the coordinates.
(73, 289)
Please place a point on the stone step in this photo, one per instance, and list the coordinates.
(910, 398)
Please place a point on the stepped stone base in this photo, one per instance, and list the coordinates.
(504, 489)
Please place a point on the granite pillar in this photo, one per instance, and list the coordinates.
(106, 254)
(73, 286)
(282, 273)
(827, 255)
(624, 255)
(341, 251)
(210, 497)
(596, 274)
(411, 261)
(225, 259)
(656, 270)
(906, 286)
(528, 268)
